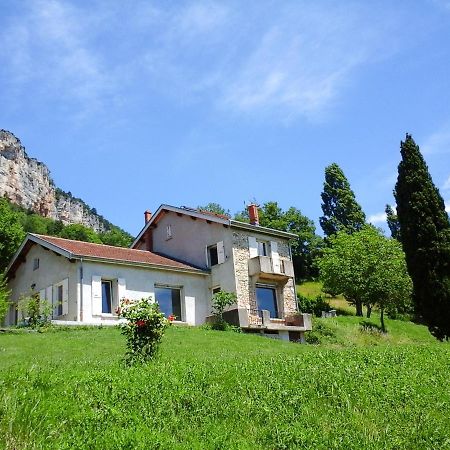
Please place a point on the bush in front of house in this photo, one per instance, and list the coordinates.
(144, 328)
(219, 302)
(35, 312)
(312, 305)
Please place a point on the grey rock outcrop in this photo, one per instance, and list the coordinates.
(27, 182)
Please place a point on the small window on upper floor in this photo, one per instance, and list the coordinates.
(35, 263)
(168, 232)
(262, 248)
(213, 258)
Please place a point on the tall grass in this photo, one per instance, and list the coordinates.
(210, 389)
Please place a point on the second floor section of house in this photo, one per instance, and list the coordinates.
(208, 240)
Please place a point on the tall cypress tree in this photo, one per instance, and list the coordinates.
(341, 211)
(425, 230)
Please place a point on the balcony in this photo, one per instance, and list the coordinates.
(264, 267)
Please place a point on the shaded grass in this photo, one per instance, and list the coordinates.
(211, 389)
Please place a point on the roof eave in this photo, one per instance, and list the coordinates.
(141, 264)
(263, 230)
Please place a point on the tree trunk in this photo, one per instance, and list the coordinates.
(383, 327)
(359, 309)
(369, 311)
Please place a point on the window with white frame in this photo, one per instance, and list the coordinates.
(107, 296)
(169, 301)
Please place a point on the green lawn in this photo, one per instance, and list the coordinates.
(211, 389)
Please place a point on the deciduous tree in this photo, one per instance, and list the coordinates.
(367, 268)
(425, 232)
(11, 232)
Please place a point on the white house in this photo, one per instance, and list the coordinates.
(181, 258)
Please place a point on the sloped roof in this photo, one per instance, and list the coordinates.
(212, 217)
(78, 249)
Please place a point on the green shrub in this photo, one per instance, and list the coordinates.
(35, 312)
(143, 329)
(219, 302)
(313, 305)
(320, 333)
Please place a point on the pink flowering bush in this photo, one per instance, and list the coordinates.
(143, 329)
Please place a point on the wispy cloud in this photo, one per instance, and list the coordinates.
(446, 185)
(377, 218)
(438, 142)
(289, 60)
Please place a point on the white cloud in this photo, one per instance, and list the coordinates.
(377, 218)
(447, 206)
(291, 60)
(438, 142)
(446, 185)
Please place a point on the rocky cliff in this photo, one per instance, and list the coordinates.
(27, 182)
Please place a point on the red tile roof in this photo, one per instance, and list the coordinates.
(88, 249)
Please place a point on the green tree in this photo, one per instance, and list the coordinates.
(11, 232)
(341, 211)
(215, 208)
(116, 237)
(4, 297)
(368, 269)
(79, 232)
(425, 229)
(393, 224)
(305, 248)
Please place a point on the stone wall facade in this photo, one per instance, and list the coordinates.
(246, 285)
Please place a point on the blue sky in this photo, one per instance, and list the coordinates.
(133, 104)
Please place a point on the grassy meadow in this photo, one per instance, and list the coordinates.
(213, 390)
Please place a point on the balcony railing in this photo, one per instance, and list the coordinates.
(264, 267)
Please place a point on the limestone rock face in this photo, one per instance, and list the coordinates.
(26, 182)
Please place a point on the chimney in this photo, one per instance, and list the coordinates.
(147, 215)
(253, 214)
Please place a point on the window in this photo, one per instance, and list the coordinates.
(168, 232)
(216, 290)
(169, 301)
(266, 298)
(262, 248)
(213, 258)
(35, 263)
(59, 300)
(106, 297)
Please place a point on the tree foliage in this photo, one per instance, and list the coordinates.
(306, 248)
(393, 223)
(368, 269)
(4, 297)
(11, 233)
(425, 233)
(79, 232)
(341, 211)
(215, 208)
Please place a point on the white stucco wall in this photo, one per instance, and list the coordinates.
(140, 282)
(52, 270)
